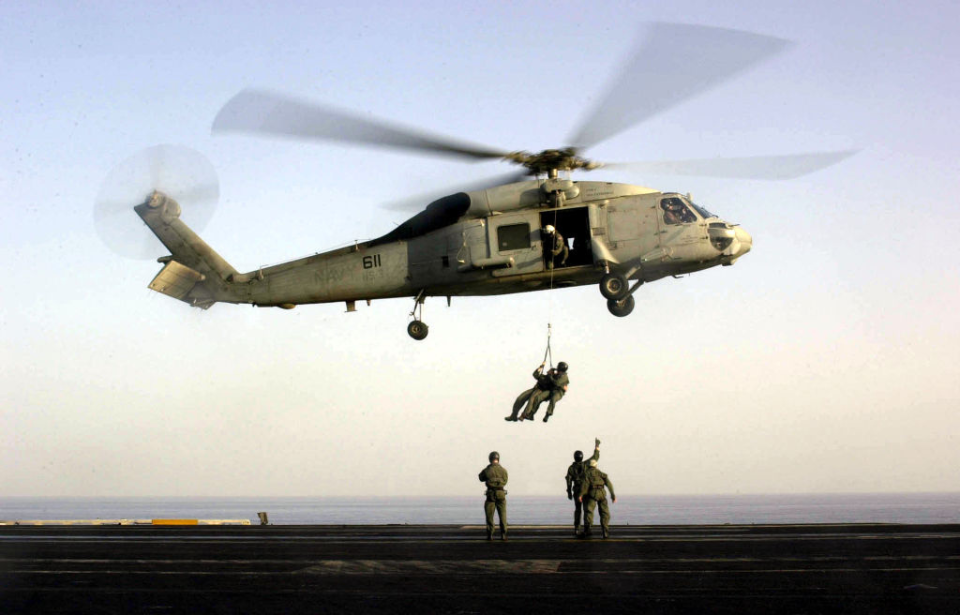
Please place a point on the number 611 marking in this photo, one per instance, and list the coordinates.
(369, 262)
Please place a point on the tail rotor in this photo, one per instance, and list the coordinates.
(181, 173)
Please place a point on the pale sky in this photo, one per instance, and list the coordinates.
(826, 360)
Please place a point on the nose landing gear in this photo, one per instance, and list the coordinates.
(613, 286)
(417, 329)
(621, 307)
(619, 294)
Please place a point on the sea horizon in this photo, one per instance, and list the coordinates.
(630, 509)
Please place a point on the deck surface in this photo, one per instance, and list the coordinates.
(453, 569)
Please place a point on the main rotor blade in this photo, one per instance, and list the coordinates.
(259, 111)
(420, 202)
(674, 62)
(752, 167)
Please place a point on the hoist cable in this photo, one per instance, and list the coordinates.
(548, 353)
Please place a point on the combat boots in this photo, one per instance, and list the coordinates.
(604, 532)
(489, 535)
(576, 531)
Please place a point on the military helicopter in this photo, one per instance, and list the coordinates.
(492, 241)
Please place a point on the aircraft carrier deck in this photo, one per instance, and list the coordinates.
(868, 568)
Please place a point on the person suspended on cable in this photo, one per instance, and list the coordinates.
(553, 385)
(556, 246)
(560, 383)
(540, 392)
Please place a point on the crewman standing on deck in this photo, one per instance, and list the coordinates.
(576, 474)
(593, 494)
(495, 477)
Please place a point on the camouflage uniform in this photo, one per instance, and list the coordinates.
(593, 493)
(575, 476)
(495, 477)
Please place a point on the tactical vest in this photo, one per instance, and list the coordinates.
(495, 479)
(577, 473)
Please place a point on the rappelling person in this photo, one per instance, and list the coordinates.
(575, 476)
(560, 382)
(555, 384)
(558, 250)
(537, 395)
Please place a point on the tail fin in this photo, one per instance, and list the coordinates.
(194, 272)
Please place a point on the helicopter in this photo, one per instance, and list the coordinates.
(502, 238)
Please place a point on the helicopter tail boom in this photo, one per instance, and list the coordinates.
(194, 272)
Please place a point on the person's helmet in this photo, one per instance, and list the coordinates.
(549, 229)
(494, 455)
(593, 463)
(578, 456)
(561, 366)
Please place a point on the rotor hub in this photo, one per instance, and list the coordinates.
(550, 161)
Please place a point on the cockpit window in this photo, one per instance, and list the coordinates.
(676, 212)
(703, 212)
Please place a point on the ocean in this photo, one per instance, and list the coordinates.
(523, 510)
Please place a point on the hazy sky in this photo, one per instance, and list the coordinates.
(828, 359)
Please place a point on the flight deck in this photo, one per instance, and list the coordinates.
(844, 568)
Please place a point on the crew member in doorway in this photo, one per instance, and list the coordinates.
(575, 476)
(537, 395)
(593, 495)
(556, 246)
(495, 477)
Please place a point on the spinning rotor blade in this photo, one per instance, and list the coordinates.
(179, 172)
(419, 202)
(751, 167)
(258, 111)
(673, 63)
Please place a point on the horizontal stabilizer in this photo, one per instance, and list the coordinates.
(176, 280)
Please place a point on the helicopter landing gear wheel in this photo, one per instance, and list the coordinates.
(622, 307)
(613, 286)
(418, 330)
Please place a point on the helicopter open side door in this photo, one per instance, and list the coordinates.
(574, 226)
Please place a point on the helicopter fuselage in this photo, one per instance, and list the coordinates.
(486, 242)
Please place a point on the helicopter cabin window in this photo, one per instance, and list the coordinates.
(513, 237)
(676, 212)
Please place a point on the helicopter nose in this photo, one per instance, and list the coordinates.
(746, 241)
